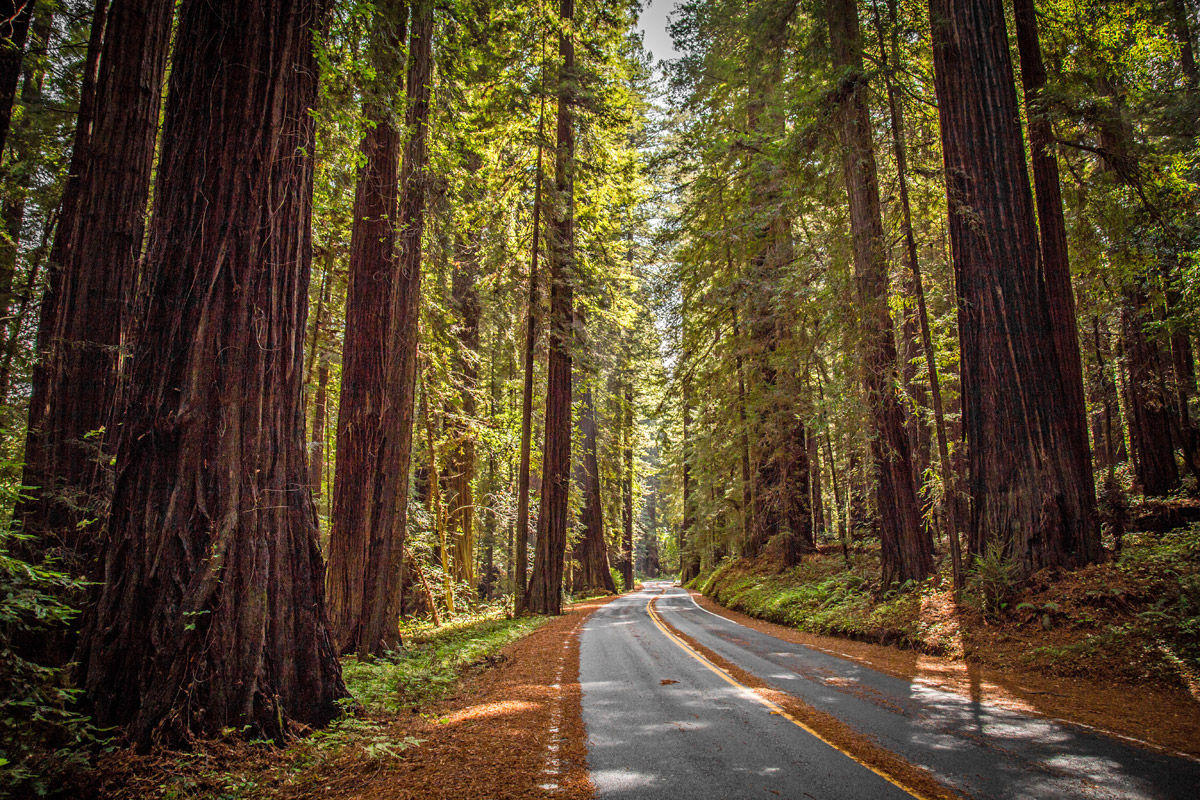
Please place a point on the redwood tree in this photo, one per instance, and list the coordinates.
(1031, 487)
(212, 611)
(389, 500)
(353, 553)
(544, 595)
(93, 269)
(906, 547)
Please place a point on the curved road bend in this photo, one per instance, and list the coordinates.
(663, 725)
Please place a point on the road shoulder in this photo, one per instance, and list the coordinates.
(1163, 721)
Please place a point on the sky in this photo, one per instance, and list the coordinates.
(653, 23)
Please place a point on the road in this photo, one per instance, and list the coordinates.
(662, 723)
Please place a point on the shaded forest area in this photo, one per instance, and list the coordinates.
(328, 327)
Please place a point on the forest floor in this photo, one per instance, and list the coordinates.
(487, 708)
(1115, 646)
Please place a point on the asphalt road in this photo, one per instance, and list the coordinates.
(662, 724)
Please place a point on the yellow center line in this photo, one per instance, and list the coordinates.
(775, 708)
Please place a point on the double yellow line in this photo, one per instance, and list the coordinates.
(774, 708)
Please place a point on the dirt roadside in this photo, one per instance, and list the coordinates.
(496, 737)
(1167, 721)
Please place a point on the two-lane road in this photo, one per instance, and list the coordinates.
(663, 723)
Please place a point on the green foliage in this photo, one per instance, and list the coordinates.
(41, 738)
(993, 579)
(618, 579)
(430, 661)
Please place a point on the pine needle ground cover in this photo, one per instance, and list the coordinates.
(1134, 620)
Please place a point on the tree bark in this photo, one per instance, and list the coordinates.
(899, 144)
(1052, 229)
(1149, 409)
(465, 299)
(592, 572)
(212, 613)
(1030, 486)
(390, 498)
(87, 309)
(357, 557)
(14, 29)
(544, 595)
(906, 547)
(627, 570)
(531, 337)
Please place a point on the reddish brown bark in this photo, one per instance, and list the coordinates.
(390, 491)
(591, 573)
(906, 547)
(356, 556)
(627, 487)
(544, 595)
(900, 147)
(212, 612)
(1031, 488)
(1148, 407)
(1052, 229)
(88, 305)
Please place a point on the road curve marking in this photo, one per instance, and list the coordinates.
(775, 709)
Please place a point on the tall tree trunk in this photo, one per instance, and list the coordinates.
(465, 299)
(1030, 486)
(544, 595)
(1149, 410)
(907, 549)
(627, 571)
(899, 145)
(320, 415)
(591, 554)
(356, 556)
(531, 336)
(212, 613)
(390, 499)
(86, 310)
(14, 28)
(1052, 230)
(816, 501)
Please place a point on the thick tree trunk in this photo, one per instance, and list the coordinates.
(544, 595)
(907, 549)
(521, 554)
(87, 308)
(627, 487)
(1031, 487)
(1149, 410)
(816, 498)
(1052, 229)
(390, 498)
(592, 572)
(14, 28)
(465, 299)
(356, 556)
(212, 613)
(899, 144)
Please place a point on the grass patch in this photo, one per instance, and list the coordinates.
(1136, 619)
(431, 660)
